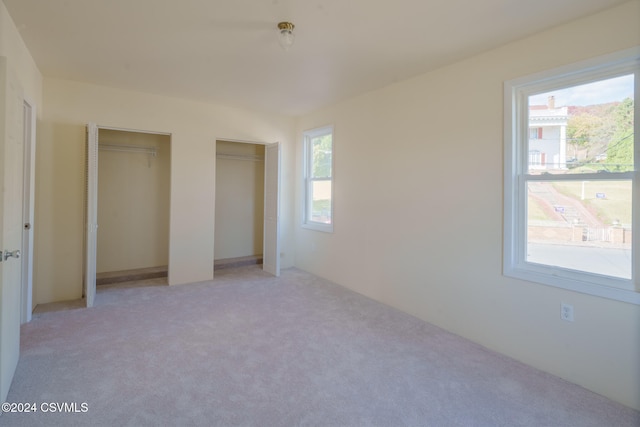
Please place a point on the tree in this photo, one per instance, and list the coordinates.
(590, 128)
(620, 149)
(604, 130)
(322, 156)
(582, 129)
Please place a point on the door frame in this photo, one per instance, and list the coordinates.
(29, 171)
(270, 220)
(91, 206)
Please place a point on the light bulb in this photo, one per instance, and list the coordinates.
(286, 36)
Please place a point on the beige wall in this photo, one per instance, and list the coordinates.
(239, 200)
(418, 211)
(133, 201)
(19, 59)
(194, 128)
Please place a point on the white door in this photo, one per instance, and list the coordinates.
(91, 215)
(28, 209)
(271, 250)
(11, 153)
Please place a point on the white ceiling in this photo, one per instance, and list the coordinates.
(226, 51)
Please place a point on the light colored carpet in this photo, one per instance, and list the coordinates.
(254, 350)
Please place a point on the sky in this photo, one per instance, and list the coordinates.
(600, 92)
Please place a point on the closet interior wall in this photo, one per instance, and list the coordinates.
(133, 200)
(239, 198)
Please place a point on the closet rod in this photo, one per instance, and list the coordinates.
(253, 158)
(129, 148)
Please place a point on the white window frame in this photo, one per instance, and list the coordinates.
(307, 222)
(516, 134)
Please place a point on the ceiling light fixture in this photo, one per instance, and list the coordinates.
(286, 36)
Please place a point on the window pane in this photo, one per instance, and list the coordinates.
(581, 225)
(320, 202)
(321, 156)
(582, 129)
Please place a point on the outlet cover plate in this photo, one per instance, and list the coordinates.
(566, 312)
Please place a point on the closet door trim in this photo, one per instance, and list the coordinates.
(91, 207)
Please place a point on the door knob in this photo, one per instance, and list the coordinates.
(11, 254)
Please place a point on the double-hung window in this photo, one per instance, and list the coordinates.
(318, 179)
(572, 198)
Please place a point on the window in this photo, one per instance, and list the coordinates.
(535, 133)
(318, 177)
(569, 196)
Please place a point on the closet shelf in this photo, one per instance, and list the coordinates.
(153, 151)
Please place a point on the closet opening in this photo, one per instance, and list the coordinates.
(239, 204)
(133, 203)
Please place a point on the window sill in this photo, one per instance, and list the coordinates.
(318, 226)
(577, 285)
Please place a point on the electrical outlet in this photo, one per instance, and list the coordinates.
(566, 312)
